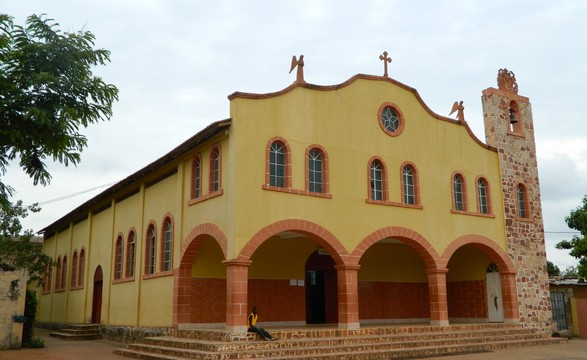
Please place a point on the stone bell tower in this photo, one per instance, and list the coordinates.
(510, 129)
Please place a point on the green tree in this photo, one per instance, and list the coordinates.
(570, 272)
(16, 249)
(577, 220)
(552, 269)
(47, 92)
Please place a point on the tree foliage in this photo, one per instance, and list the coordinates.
(16, 250)
(47, 93)
(552, 269)
(577, 220)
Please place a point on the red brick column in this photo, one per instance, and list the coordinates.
(437, 296)
(511, 311)
(182, 291)
(348, 296)
(237, 277)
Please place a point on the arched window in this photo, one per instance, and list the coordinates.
(150, 253)
(118, 259)
(377, 189)
(74, 269)
(81, 267)
(277, 164)
(409, 185)
(197, 177)
(58, 274)
(166, 245)
(215, 162)
(317, 174)
(48, 278)
(522, 201)
(459, 195)
(63, 273)
(130, 255)
(483, 196)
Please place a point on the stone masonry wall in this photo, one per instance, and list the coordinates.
(525, 236)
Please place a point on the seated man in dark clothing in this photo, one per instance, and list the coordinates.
(252, 324)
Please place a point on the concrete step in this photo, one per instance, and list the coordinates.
(68, 336)
(389, 340)
(336, 354)
(368, 343)
(78, 332)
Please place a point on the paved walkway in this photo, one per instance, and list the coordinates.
(56, 349)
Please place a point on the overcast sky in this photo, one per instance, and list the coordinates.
(175, 63)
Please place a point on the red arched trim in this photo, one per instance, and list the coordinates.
(465, 200)
(410, 237)
(488, 246)
(167, 219)
(384, 180)
(325, 164)
(182, 279)
(195, 239)
(416, 179)
(314, 231)
(287, 164)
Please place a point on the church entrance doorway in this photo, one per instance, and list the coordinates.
(97, 297)
(321, 289)
(494, 298)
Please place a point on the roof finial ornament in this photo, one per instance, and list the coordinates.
(386, 60)
(460, 109)
(506, 80)
(300, 64)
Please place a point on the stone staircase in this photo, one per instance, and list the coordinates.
(384, 342)
(78, 332)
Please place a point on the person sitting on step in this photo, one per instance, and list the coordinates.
(252, 324)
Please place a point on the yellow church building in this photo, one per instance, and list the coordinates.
(346, 204)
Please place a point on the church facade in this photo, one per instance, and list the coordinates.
(349, 204)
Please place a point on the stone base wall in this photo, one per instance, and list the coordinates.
(118, 333)
(131, 334)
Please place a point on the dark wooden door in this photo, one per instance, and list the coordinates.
(97, 297)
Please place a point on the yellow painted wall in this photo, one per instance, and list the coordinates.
(216, 210)
(345, 123)
(76, 300)
(467, 263)
(59, 305)
(208, 262)
(157, 302)
(100, 255)
(124, 297)
(392, 262)
(46, 300)
(123, 304)
(281, 258)
(575, 316)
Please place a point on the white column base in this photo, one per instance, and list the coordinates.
(236, 329)
(349, 326)
(439, 322)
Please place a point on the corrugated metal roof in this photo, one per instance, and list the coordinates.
(105, 196)
(566, 282)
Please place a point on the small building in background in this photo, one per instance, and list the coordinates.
(569, 305)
